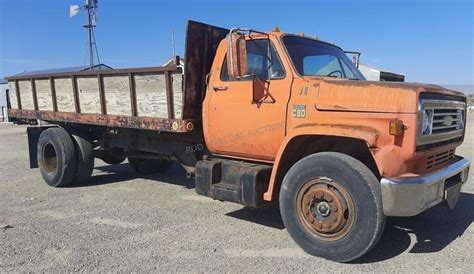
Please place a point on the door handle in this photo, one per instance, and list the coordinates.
(216, 88)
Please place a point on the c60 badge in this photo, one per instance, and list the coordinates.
(299, 111)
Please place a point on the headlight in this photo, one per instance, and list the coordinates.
(427, 122)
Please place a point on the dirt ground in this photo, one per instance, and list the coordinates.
(121, 221)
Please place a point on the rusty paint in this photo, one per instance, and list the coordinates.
(53, 94)
(103, 102)
(133, 94)
(366, 129)
(334, 95)
(189, 126)
(113, 121)
(340, 107)
(374, 150)
(33, 91)
(109, 72)
(169, 95)
(18, 97)
(236, 55)
(413, 87)
(325, 208)
(75, 91)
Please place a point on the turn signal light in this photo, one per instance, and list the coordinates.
(396, 127)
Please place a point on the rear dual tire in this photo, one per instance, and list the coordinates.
(331, 206)
(85, 159)
(113, 156)
(62, 159)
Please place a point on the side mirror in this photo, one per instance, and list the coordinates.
(236, 55)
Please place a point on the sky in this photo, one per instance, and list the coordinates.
(429, 41)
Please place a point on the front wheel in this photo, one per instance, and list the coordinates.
(331, 205)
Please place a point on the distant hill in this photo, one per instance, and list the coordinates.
(470, 99)
(467, 89)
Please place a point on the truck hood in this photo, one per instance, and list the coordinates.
(373, 96)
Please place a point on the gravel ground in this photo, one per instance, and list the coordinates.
(120, 221)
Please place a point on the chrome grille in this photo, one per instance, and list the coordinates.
(439, 159)
(446, 120)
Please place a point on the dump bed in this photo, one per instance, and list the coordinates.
(154, 98)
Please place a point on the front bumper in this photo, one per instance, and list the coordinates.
(409, 196)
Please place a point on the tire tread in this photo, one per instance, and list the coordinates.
(85, 159)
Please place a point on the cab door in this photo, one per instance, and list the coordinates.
(246, 117)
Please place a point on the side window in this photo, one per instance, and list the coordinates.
(258, 62)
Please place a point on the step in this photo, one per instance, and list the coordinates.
(233, 181)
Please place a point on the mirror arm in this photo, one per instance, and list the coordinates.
(355, 58)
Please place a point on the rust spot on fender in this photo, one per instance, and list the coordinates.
(374, 150)
(340, 107)
(365, 129)
(414, 87)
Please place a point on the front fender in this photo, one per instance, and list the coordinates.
(367, 134)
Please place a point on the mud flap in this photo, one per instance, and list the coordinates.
(33, 137)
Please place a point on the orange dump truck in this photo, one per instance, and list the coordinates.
(259, 118)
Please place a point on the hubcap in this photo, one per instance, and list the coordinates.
(325, 208)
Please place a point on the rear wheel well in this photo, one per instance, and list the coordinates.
(302, 146)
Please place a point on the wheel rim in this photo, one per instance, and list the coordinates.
(325, 209)
(49, 160)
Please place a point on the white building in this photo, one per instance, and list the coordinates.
(376, 74)
(174, 60)
(3, 100)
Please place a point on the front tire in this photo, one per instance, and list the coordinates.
(331, 205)
(57, 157)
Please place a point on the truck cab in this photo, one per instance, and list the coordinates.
(300, 105)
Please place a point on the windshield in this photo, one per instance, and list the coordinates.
(315, 58)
